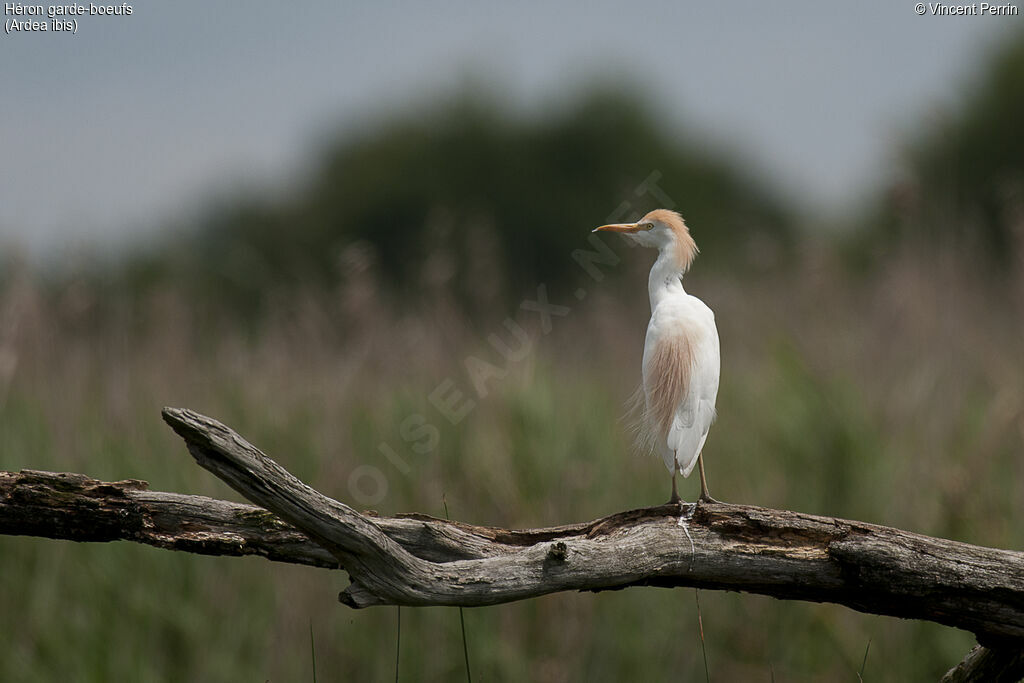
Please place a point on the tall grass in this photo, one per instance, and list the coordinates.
(896, 398)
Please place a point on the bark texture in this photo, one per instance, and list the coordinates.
(982, 665)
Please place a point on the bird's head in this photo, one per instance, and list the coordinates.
(662, 229)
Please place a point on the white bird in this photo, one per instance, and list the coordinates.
(681, 355)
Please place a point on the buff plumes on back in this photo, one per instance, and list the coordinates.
(667, 382)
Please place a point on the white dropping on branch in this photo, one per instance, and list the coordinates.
(681, 356)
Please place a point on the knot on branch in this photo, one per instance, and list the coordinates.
(557, 552)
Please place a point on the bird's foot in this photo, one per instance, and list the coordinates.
(706, 498)
(675, 500)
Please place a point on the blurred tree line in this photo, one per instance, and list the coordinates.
(964, 184)
(468, 198)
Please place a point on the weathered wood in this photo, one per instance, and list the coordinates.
(784, 554)
(982, 665)
(75, 507)
(78, 508)
(420, 560)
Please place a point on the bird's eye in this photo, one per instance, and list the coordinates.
(648, 226)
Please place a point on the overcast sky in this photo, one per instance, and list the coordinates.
(109, 132)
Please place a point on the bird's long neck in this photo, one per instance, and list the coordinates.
(666, 278)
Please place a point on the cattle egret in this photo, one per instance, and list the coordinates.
(681, 356)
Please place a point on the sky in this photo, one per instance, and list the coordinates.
(133, 121)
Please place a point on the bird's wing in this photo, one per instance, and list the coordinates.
(696, 412)
(688, 440)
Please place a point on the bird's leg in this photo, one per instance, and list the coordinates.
(705, 497)
(675, 499)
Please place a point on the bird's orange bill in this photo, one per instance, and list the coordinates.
(618, 227)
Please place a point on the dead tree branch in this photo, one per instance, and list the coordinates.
(988, 666)
(75, 507)
(421, 560)
(779, 553)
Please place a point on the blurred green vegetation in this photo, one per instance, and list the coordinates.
(318, 323)
(838, 397)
